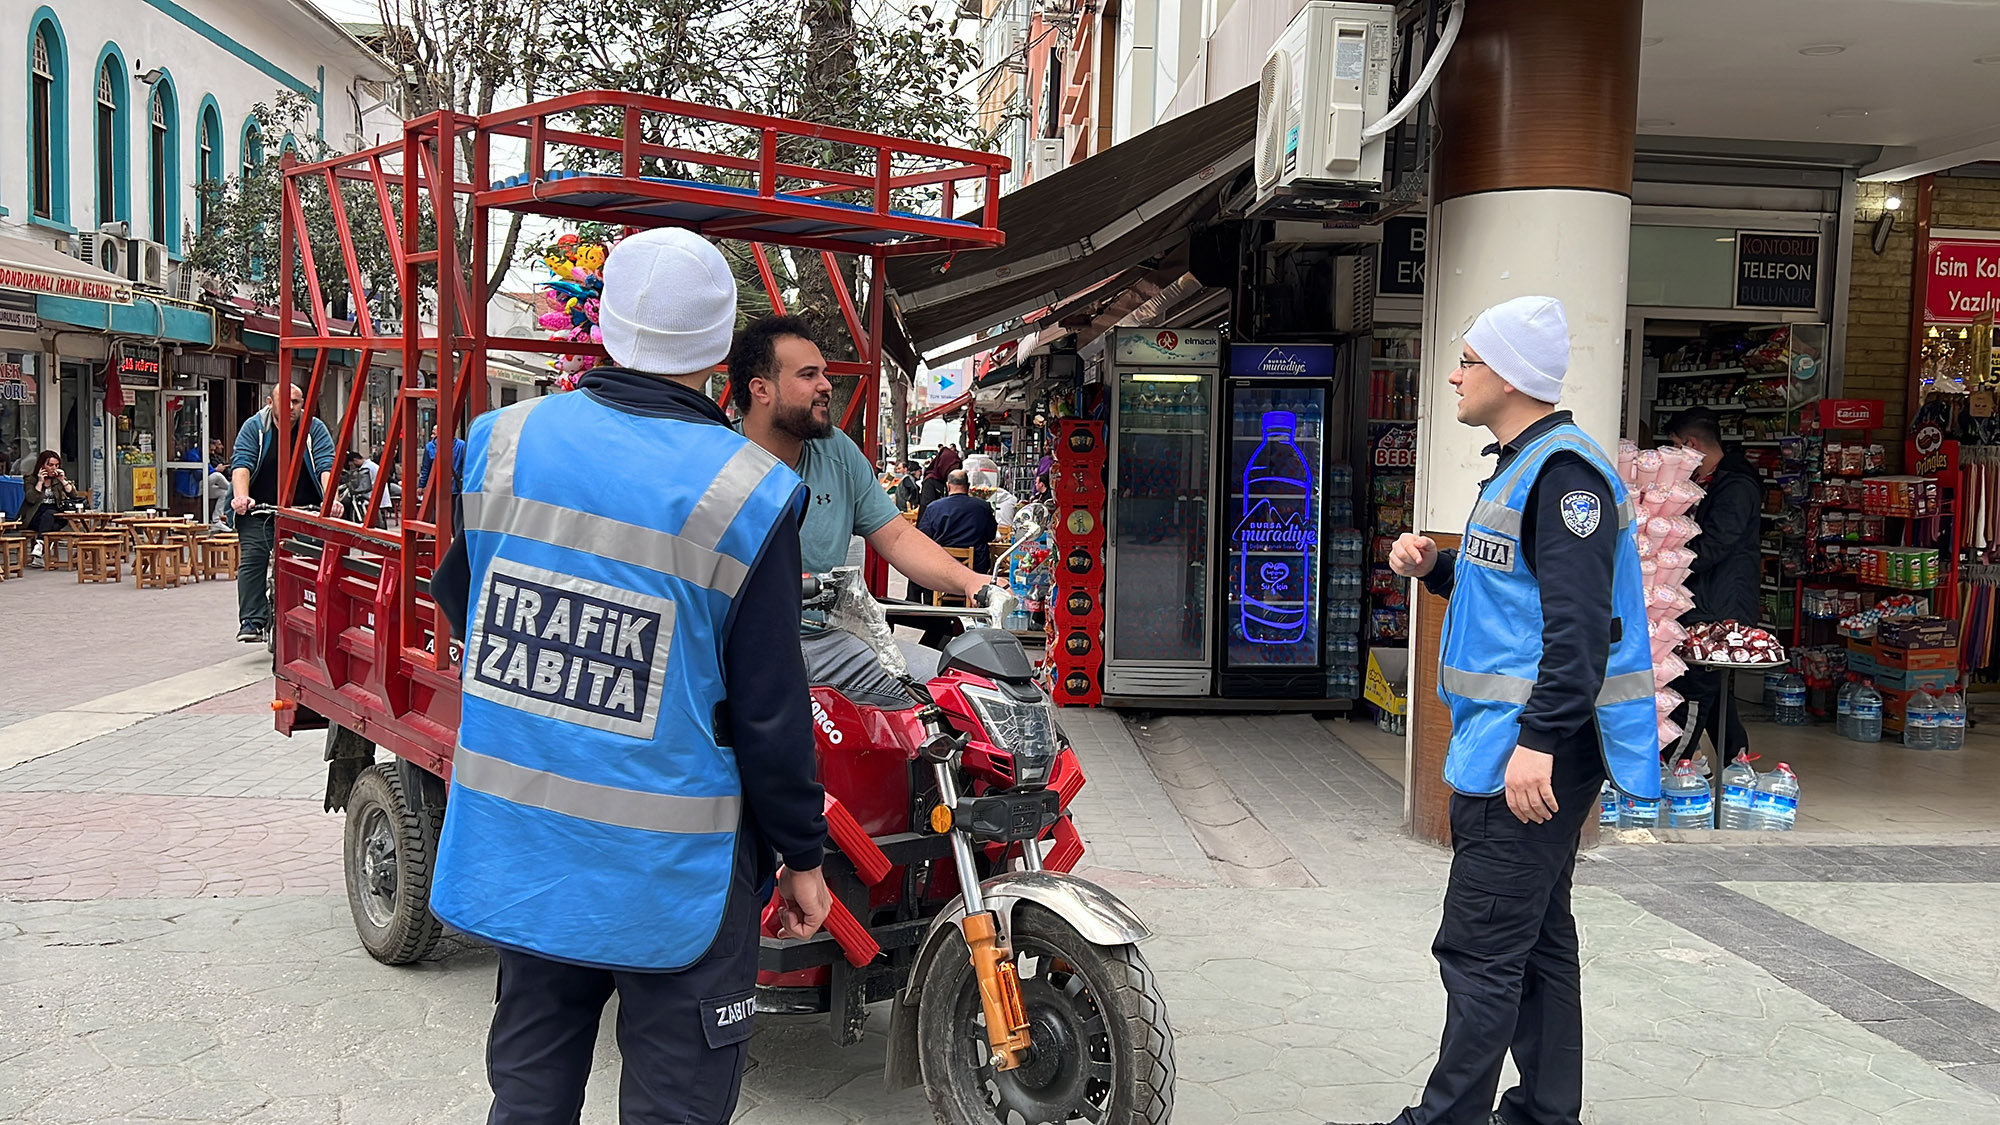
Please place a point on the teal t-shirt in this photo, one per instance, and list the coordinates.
(846, 500)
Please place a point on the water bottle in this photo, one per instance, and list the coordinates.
(1920, 722)
(1274, 535)
(1789, 709)
(1607, 806)
(1633, 812)
(1739, 784)
(1843, 724)
(1686, 796)
(1775, 807)
(1951, 721)
(1867, 721)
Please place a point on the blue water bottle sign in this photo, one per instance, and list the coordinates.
(1275, 537)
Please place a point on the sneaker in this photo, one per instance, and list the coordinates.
(250, 634)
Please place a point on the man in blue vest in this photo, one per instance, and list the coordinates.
(1548, 673)
(635, 741)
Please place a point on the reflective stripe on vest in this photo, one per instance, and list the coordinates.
(584, 800)
(1516, 689)
(502, 514)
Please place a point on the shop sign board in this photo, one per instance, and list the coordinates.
(1168, 347)
(1850, 413)
(139, 366)
(28, 279)
(1929, 453)
(17, 311)
(145, 489)
(1400, 273)
(1311, 361)
(1777, 269)
(945, 383)
(15, 386)
(1964, 280)
(1392, 445)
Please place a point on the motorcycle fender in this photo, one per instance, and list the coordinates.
(1098, 916)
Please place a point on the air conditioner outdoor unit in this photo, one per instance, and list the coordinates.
(107, 252)
(1324, 81)
(147, 264)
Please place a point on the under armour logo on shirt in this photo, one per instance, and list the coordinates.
(823, 498)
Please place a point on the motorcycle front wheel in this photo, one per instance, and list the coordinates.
(1103, 1051)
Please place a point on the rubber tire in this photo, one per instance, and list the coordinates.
(1122, 982)
(412, 931)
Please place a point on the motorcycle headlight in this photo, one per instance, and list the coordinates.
(1024, 728)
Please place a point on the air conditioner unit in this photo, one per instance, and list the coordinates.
(1017, 49)
(1324, 81)
(118, 228)
(107, 252)
(1048, 155)
(147, 264)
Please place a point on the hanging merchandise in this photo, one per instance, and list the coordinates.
(570, 298)
(1659, 481)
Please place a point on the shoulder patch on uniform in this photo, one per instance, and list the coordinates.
(1582, 512)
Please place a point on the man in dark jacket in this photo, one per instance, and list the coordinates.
(1724, 581)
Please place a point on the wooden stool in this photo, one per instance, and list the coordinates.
(219, 555)
(98, 559)
(59, 550)
(13, 556)
(189, 559)
(158, 565)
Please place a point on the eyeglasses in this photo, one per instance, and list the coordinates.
(1464, 363)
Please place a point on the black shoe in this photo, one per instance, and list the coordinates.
(250, 634)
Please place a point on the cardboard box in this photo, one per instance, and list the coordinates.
(1933, 680)
(1891, 659)
(1920, 632)
(1861, 658)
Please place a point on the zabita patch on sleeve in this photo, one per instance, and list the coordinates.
(1582, 511)
(569, 648)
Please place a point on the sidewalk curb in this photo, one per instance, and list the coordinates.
(55, 731)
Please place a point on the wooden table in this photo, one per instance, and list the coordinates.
(160, 530)
(90, 521)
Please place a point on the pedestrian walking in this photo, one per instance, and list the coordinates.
(635, 741)
(1548, 673)
(253, 473)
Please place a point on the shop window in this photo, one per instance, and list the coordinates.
(113, 153)
(47, 120)
(163, 163)
(20, 413)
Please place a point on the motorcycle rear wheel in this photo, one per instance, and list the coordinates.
(1104, 1051)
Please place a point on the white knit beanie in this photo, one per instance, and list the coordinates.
(669, 304)
(1526, 342)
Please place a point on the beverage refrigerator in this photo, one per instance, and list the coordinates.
(1157, 633)
(1289, 616)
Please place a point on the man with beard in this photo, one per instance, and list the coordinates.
(779, 387)
(254, 480)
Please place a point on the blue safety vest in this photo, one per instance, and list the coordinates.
(593, 814)
(1493, 636)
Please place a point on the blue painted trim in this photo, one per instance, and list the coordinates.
(208, 114)
(209, 32)
(58, 122)
(120, 204)
(53, 224)
(321, 99)
(175, 180)
(290, 144)
(249, 144)
(143, 317)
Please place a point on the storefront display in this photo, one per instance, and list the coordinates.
(1076, 610)
(20, 411)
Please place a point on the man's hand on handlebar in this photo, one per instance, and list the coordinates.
(241, 504)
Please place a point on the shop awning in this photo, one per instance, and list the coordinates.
(140, 316)
(41, 269)
(1080, 226)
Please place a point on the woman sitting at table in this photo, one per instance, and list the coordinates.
(47, 491)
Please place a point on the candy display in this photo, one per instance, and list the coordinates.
(1658, 481)
(1732, 642)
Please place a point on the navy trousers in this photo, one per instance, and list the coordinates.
(1507, 950)
(683, 1036)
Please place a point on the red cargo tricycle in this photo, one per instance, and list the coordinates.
(1017, 991)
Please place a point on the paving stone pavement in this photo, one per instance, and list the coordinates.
(174, 945)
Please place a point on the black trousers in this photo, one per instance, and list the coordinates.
(1507, 951)
(683, 1036)
(1703, 688)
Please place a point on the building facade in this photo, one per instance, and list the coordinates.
(128, 107)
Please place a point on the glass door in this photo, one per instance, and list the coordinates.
(1160, 529)
(187, 454)
(1274, 515)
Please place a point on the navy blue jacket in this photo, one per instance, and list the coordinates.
(761, 658)
(1575, 577)
(962, 520)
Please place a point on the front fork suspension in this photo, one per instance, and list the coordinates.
(992, 961)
